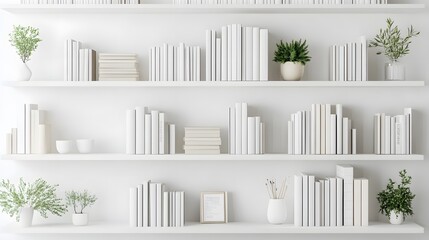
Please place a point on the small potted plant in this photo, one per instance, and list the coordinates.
(292, 56)
(395, 46)
(25, 40)
(79, 201)
(396, 200)
(21, 201)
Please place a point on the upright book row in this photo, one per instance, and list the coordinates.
(32, 136)
(246, 135)
(151, 206)
(171, 63)
(259, 2)
(331, 202)
(149, 133)
(81, 1)
(320, 131)
(79, 64)
(393, 134)
(349, 62)
(237, 54)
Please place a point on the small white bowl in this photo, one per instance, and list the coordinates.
(84, 145)
(64, 146)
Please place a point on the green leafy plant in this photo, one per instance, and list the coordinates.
(295, 51)
(38, 195)
(80, 200)
(395, 46)
(397, 197)
(25, 40)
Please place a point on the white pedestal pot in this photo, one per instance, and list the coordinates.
(277, 212)
(80, 219)
(26, 216)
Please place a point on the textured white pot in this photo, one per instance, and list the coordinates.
(23, 72)
(394, 71)
(26, 216)
(292, 71)
(80, 219)
(396, 218)
(277, 212)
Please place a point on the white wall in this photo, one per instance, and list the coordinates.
(100, 113)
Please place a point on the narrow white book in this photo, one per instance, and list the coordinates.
(323, 129)
(155, 131)
(382, 133)
(258, 135)
(133, 207)
(229, 66)
(224, 53)
(256, 54)
(263, 55)
(311, 199)
(339, 113)
(37, 118)
(238, 128)
(387, 137)
(159, 195)
(317, 204)
(178, 209)
(409, 112)
(148, 134)
(165, 209)
(131, 132)
(140, 127)
(346, 172)
(182, 209)
(172, 139)
(43, 142)
(305, 196)
(140, 205)
(208, 55)
(333, 134)
(340, 203)
(152, 204)
(318, 129)
(146, 204)
(28, 109)
(365, 202)
(357, 202)
(354, 143)
(346, 136)
(251, 135)
(298, 201)
(333, 201)
(322, 202)
(244, 136)
(162, 144)
(249, 54)
(21, 129)
(313, 129)
(327, 202)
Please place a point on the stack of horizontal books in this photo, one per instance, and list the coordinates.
(202, 140)
(118, 67)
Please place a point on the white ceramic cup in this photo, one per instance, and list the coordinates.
(64, 146)
(84, 145)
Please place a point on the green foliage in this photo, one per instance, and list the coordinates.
(399, 198)
(395, 46)
(295, 51)
(25, 40)
(80, 200)
(38, 195)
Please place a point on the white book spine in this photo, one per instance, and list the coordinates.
(131, 132)
(327, 203)
(318, 135)
(354, 143)
(208, 55)
(140, 127)
(346, 172)
(182, 209)
(133, 207)
(152, 204)
(328, 128)
(298, 201)
(323, 129)
(224, 68)
(382, 134)
(357, 202)
(365, 202)
(178, 211)
(155, 131)
(238, 128)
(305, 201)
(43, 139)
(256, 54)
(322, 202)
(251, 135)
(313, 129)
(387, 125)
(234, 52)
(333, 134)
(229, 66)
(289, 138)
(218, 59)
(317, 205)
(28, 109)
(170, 63)
(21, 129)
(145, 204)
(172, 138)
(333, 201)
(239, 52)
(249, 54)
(258, 135)
(340, 204)
(140, 205)
(165, 209)
(364, 58)
(159, 195)
(346, 136)
(311, 198)
(161, 134)
(263, 55)
(148, 134)
(409, 112)
(244, 136)
(339, 112)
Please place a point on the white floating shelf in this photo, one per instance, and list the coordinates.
(222, 157)
(229, 228)
(205, 9)
(164, 84)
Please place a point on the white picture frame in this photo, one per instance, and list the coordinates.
(214, 207)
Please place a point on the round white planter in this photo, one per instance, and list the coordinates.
(80, 219)
(277, 212)
(26, 216)
(23, 72)
(396, 218)
(292, 71)
(394, 71)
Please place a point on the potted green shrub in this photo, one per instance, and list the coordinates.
(25, 40)
(21, 201)
(396, 200)
(79, 201)
(395, 46)
(292, 56)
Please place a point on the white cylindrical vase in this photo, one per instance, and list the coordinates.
(26, 216)
(80, 219)
(277, 211)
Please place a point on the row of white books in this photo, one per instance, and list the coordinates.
(237, 54)
(331, 202)
(79, 64)
(81, 1)
(147, 132)
(349, 62)
(32, 135)
(320, 131)
(393, 134)
(171, 63)
(246, 135)
(202, 140)
(250, 2)
(114, 67)
(151, 206)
